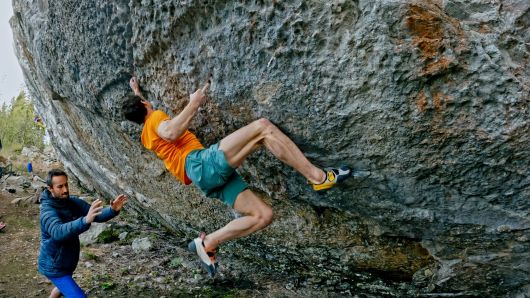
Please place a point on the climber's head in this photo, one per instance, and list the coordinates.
(136, 109)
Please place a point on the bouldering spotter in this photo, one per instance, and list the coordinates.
(62, 219)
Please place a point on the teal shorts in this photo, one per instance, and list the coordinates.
(209, 170)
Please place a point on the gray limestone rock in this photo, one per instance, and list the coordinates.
(141, 244)
(91, 236)
(430, 97)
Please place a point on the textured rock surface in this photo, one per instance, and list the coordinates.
(431, 97)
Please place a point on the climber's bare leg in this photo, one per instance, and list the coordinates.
(257, 215)
(239, 144)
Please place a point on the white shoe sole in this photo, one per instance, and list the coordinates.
(201, 252)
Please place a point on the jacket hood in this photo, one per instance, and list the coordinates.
(46, 198)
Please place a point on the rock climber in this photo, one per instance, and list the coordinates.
(212, 169)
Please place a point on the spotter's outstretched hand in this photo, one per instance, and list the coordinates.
(118, 203)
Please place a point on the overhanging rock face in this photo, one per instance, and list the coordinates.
(431, 97)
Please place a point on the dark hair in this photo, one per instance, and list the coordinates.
(133, 109)
(54, 173)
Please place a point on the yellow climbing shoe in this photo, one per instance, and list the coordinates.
(333, 176)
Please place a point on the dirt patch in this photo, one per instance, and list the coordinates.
(19, 243)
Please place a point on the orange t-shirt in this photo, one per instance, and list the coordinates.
(172, 153)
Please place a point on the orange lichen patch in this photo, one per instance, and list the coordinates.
(484, 28)
(432, 32)
(437, 66)
(427, 29)
(421, 101)
(424, 23)
(438, 101)
(428, 47)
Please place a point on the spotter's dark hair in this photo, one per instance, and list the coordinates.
(54, 173)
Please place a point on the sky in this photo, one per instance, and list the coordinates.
(11, 79)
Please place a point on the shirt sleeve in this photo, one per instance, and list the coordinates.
(157, 118)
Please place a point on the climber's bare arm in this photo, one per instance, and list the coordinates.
(170, 130)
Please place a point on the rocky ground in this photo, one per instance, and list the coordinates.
(126, 257)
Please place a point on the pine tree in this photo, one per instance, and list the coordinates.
(17, 126)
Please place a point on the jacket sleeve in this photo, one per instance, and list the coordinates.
(83, 206)
(61, 231)
(106, 214)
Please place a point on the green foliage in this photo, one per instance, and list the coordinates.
(17, 126)
(108, 285)
(105, 281)
(175, 262)
(90, 256)
(108, 236)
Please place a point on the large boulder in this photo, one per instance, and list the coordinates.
(431, 97)
(15, 184)
(91, 236)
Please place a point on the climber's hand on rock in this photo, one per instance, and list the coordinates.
(199, 97)
(134, 86)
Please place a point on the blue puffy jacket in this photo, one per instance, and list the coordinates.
(61, 222)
